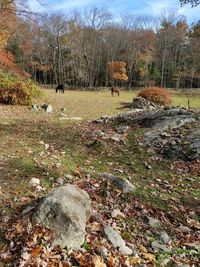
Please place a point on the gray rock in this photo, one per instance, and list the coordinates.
(34, 181)
(60, 181)
(103, 252)
(123, 184)
(46, 146)
(184, 229)
(100, 133)
(195, 246)
(165, 261)
(27, 210)
(171, 144)
(122, 129)
(71, 118)
(69, 176)
(47, 107)
(65, 211)
(193, 140)
(166, 119)
(117, 213)
(126, 251)
(154, 223)
(39, 188)
(116, 138)
(142, 103)
(114, 237)
(164, 237)
(164, 123)
(159, 247)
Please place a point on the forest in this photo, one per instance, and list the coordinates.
(93, 48)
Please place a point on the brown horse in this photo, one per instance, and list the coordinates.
(114, 90)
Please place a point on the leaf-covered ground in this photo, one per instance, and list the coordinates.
(40, 145)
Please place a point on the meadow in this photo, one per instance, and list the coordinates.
(93, 104)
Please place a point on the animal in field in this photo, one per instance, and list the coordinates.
(115, 90)
(60, 88)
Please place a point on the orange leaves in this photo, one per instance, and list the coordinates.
(117, 70)
(3, 39)
(7, 64)
(135, 261)
(36, 251)
(157, 95)
(7, 15)
(98, 262)
(150, 257)
(6, 59)
(111, 261)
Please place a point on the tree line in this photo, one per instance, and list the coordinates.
(94, 48)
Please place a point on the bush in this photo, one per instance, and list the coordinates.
(157, 95)
(14, 91)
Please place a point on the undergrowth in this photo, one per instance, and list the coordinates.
(15, 91)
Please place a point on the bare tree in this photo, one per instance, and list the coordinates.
(192, 2)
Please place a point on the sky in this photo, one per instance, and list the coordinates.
(118, 7)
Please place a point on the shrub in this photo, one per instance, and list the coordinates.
(14, 91)
(157, 95)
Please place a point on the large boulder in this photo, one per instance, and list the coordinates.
(65, 211)
(163, 119)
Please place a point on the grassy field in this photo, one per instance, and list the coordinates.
(91, 105)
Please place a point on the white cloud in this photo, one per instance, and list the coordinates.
(68, 4)
(35, 5)
(191, 13)
(156, 7)
(148, 7)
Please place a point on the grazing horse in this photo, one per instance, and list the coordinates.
(114, 90)
(60, 88)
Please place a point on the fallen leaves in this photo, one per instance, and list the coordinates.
(98, 262)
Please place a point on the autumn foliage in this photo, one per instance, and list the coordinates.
(157, 95)
(117, 70)
(14, 91)
(7, 65)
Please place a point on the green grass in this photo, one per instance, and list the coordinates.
(92, 105)
(25, 129)
(181, 98)
(87, 105)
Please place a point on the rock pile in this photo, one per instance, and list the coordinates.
(173, 132)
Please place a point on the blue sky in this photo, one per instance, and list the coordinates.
(117, 7)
